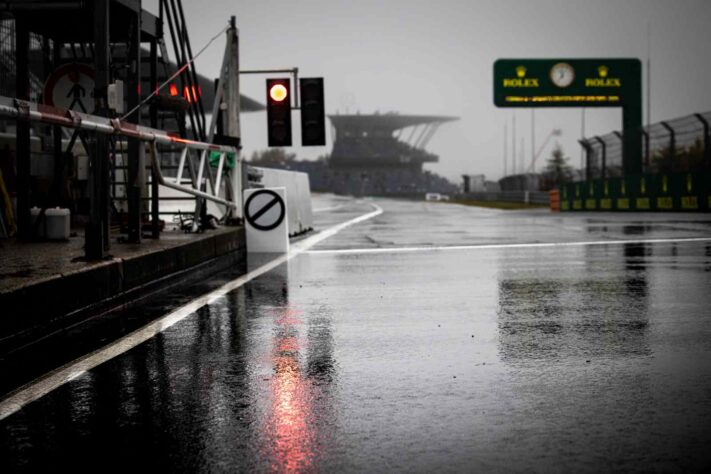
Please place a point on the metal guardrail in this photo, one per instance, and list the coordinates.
(532, 197)
(19, 109)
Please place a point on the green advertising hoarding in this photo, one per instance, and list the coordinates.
(677, 192)
(578, 83)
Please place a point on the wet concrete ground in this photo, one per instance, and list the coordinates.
(359, 356)
(23, 263)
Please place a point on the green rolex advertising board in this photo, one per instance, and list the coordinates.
(567, 82)
(578, 83)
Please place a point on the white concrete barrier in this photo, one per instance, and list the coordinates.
(298, 193)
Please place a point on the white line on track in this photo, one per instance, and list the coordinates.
(503, 246)
(55, 379)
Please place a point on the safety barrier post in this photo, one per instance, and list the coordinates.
(672, 139)
(604, 156)
(554, 198)
(707, 139)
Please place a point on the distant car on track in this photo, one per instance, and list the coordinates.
(436, 197)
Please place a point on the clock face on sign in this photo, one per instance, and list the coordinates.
(562, 74)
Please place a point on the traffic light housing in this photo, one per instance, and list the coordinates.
(278, 112)
(313, 122)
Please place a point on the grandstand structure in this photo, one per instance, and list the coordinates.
(384, 154)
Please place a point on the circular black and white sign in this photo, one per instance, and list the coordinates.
(71, 86)
(264, 210)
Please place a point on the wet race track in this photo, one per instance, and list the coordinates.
(428, 337)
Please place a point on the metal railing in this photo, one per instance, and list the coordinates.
(190, 150)
(678, 145)
(527, 197)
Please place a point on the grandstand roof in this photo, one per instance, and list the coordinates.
(387, 122)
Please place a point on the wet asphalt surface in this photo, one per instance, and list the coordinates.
(581, 358)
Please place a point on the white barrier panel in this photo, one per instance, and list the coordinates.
(265, 220)
(298, 192)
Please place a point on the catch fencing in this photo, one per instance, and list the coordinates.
(675, 146)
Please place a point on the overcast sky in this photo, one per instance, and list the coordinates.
(427, 57)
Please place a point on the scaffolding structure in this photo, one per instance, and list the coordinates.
(123, 46)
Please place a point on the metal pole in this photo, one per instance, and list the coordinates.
(296, 89)
(216, 125)
(621, 137)
(136, 167)
(506, 146)
(632, 123)
(582, 137)
(513, 143)
(588, 150)
(522, 159)
(649, 80)
(13, 108)
(647, 151)
(672, 139)
(155, 189)
(292, 70)
(533, 140)
(96, 242)
(60, 158)
(235, 184)
(233, 127)
(22, 155)
(707, 140)
(604, 156)
(645, 134)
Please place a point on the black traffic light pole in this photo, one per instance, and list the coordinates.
(293, 71)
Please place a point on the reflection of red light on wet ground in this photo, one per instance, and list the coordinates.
(288, 344)
(288, 317)
(289, 430)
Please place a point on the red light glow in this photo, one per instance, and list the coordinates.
(278, 92)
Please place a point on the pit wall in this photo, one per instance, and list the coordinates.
(670, 192)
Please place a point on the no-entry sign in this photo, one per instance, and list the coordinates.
(265, 220)
(264, 209)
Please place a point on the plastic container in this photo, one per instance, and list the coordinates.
(57, 223)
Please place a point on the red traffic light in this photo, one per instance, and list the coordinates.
(278, 112)
(278, 92)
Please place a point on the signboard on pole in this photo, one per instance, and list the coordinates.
(578, 83)
(567, 82)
